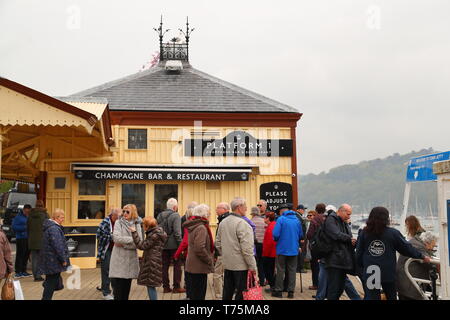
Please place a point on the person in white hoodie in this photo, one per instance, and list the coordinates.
(124, 265)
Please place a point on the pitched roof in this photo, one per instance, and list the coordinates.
(188, 91)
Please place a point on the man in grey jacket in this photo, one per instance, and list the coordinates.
(170, 221)
(235, 242)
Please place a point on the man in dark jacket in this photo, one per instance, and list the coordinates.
(170, 221)
(54, 255)
(19, 225)
(301, 257)
(34, 224)
(342, 258)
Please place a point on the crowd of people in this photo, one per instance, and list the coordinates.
(271, 246)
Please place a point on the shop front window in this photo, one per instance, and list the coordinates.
(164, 192)
(134, 194)
(92, 199)
(91, 209)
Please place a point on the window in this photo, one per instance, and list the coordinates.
(92, 199)
(92, 187)
(91, 209)
(163, 192)
(134, 194)
(137, 138)
(60, 183)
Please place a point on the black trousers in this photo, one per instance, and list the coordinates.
(301, 261)
(198, 283)
(234, 281)
(335, 283)
(269, 270)
(22, 255)
(389, 290)
(50, 284)
(315, 272)
(121, 288)
(187, 283)
(259, 263)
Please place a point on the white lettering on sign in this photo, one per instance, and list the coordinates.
(276, 194)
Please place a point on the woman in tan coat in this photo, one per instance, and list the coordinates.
(150, 272)
(6, 265)
(200, 258)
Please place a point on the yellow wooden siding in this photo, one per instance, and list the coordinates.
(163, 147)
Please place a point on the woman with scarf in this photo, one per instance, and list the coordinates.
(124, 265)
(200, 257)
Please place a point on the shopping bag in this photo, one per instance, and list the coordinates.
(254, 291)
(18, 290)
(8, 288)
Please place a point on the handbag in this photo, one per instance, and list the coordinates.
(254, 291)
(8, 288)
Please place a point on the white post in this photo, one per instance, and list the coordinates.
(405, 207)
(442, 170)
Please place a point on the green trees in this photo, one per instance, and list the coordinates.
(379, 182)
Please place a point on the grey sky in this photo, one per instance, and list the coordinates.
(369, 85)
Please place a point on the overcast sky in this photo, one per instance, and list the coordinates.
(371, 77)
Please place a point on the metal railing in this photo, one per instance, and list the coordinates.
(175, 51)
(434, 281)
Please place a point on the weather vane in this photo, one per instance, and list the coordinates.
(161, 35)
(187, 34)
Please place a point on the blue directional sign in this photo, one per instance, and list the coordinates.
(421, 168)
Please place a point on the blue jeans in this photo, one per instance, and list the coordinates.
(106, 281)
(350, 290)
(152, 294)
(321, 293)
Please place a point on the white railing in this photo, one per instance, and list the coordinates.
(426, 295)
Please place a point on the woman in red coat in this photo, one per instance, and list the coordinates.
(269, 250)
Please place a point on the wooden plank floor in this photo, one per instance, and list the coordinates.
(90, 279)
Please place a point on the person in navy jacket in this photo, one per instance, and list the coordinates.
(376, 251)
(287, 233)
(19, 225)
(54, 255)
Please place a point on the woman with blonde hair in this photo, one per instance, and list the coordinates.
(150, 273)
(124, 265)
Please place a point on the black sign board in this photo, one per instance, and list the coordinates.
(275, 193)
(81, 245)
(161, 175)
(238, 143)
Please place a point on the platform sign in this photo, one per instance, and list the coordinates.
(421, 168)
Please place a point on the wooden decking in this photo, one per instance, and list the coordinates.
(90, 279)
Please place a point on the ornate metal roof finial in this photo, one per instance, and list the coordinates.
(187, 34)
(161, 35)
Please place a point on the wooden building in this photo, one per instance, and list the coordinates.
(169, 131)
